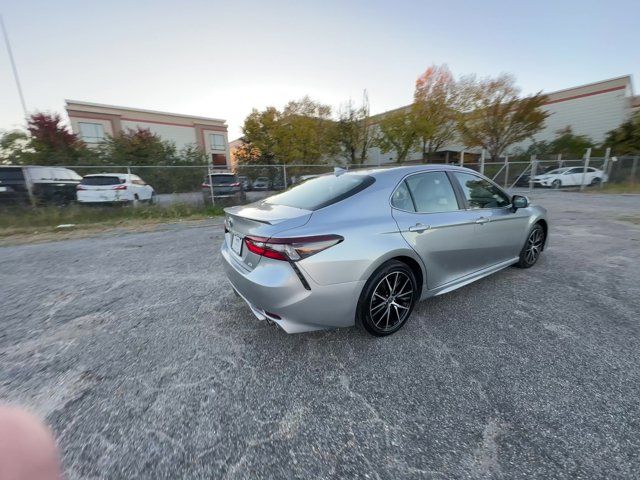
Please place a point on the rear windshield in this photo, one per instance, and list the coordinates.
(322, 191)
(11, 174)
(101, 180)
(223, 179)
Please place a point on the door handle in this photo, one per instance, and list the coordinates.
(419, 228)
(482, 220)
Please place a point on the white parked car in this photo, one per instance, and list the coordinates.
(114, 188)
(570, 177)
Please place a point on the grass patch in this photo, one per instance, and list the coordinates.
(617, 188)
(20, 221)
(635, 219)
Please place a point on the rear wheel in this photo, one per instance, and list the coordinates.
(532, 247)
(596, 181)
(387, 299)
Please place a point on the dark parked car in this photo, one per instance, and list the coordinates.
(227, 189)
(40, 185)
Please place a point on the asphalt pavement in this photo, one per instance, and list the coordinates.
(146, 365)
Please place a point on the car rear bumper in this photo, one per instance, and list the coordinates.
(84, 196)
(273, 289)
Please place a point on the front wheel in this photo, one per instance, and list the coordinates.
(387, 299)
(556, 184)
(532, 247)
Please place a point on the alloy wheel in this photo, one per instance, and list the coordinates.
(534, 245)
(391, 301)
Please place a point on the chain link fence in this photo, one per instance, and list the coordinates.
(204, 185)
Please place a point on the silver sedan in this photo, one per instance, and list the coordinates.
(362, 247)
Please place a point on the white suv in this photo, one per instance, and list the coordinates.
(114, 188)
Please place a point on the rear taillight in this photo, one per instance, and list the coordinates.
(119, 187)
(205, 185)
(237, 184)
(80, 187)
(291, 249)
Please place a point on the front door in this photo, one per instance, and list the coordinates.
(498, 229)
(430, 219)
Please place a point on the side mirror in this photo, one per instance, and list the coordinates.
(519, 201)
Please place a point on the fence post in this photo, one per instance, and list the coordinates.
(534, 168)
(506, 171)
(560, 162)
(634, 169)
(462, 158)
(587, 157)
(210, 181)
(605, 166)
(284, 176)
(482, 162)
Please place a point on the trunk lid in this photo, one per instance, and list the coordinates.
(260, 220)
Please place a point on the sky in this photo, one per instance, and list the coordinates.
(221, 59)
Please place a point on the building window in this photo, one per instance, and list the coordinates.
(91, 132)
(217, 142)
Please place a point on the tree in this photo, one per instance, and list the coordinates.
(306, 132)
(434, 109)
(625, 140)
(138, 146)
(565, 142)
(495, 117)
(352, 131)
(14, 147)
(396, 132)
(52, 143)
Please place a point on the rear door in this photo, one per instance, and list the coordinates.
(436, 226)
(499, 231)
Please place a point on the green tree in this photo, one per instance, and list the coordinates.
(494, 115)
(353, 131)
(306, 132)
(396, 133)
(565, 142)
(435, 104)
(625, 140)
(141, 148)
(14, 147)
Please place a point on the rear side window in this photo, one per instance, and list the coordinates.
(11, 174)
(223, 179)
(401, 198)
(322, 191)
(432, 192)
(101, 180)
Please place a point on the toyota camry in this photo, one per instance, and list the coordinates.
(362, 247)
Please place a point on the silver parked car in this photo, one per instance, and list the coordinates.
(363, 247)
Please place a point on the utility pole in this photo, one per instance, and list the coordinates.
(13, 66)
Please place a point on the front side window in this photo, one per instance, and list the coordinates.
(217, 142)
(481, 193)
(432, 192)
(91, 132)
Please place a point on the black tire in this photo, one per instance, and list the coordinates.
(397, 313)
(596, 181)
(532, 247)
(556, 184)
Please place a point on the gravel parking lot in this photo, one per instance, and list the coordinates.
(146, 365)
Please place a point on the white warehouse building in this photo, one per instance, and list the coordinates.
(592, 110)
